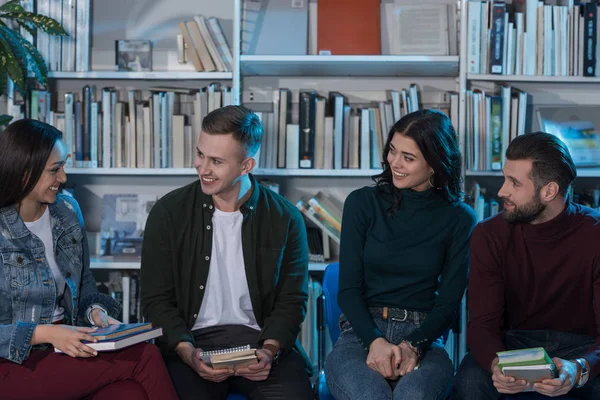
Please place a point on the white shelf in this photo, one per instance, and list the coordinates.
(121, 264)
(582, 172)
(192, 171)
(349, 65)
(534, 78)
(483, 173)
(153, 75)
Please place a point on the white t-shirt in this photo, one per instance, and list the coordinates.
(226, 298)
(42, 228)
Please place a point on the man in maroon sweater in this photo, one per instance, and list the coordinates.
(534, 279)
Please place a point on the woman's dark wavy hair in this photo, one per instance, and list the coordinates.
(25, 147)
(435, 136)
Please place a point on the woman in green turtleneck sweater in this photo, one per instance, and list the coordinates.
(403, 268)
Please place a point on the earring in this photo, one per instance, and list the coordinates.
(429, 180)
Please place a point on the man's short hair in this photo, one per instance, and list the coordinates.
(550, 159)
(239, 121)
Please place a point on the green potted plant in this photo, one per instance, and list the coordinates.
(20, 59)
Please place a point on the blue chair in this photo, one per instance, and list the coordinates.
(332, 315)
(236, 396)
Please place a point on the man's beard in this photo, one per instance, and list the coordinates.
(525, 213)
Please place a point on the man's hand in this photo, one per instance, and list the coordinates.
(260, 371)
(567, 377)
(384, 358)
(191, 356)
(506, 384)
(101, 319)
(407, 362)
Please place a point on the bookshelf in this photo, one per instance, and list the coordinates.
(317, 65)
(532, 78)
(151, 75)
(283, 172)
(121, 264)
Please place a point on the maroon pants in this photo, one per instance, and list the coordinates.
(137, 371)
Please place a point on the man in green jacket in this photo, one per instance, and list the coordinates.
(225, 264)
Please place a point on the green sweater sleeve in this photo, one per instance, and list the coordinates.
(452, 283)
(157, 284)
(350, 296)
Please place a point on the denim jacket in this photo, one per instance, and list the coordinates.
(27, 288)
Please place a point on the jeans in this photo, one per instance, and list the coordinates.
(349, 377)
(474, 382)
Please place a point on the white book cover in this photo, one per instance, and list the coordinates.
(365, 139)
(292, 146)
(70, 127)
(531, 28)
(68, 42)
(210, 44)
(354, 148)
(94, 135)
(221, 42)
(82, 41)
(178, 147)
(320, 132)
(474, 37)
(188, 146)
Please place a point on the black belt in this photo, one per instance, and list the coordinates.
(397, 314)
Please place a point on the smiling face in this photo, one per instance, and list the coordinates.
(409, 168)
(522, 201)
(52, 177)
(220, 163)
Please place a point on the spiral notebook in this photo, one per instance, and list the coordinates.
(224, 358)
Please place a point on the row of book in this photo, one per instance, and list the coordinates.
(205, 44)
(332, 134)
(493, 120)
(533, 37)
(62, 53)
(371, 27)
(131, 129)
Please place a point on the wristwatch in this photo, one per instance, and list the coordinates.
(585, 372)
(275, 350)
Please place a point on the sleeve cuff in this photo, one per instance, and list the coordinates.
(20, 346)
(417, 339)
(88, 313)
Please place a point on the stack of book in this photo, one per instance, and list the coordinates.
(119, 336)
(531, 365)
(206, 44)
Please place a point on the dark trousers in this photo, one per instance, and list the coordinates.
(287, 380)
(136, 373)
(474, 382)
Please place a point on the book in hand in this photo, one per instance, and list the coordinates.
(117, 331)
(225, 358)
(531, 365)
(122, 339)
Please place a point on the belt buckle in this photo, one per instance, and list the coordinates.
(404, 318)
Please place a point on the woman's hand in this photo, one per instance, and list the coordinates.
(382, 354)
(66, 338)
(101, 319)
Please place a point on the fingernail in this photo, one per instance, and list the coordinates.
(95, 353)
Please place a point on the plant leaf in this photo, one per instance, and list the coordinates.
(3, 82)
(31, 59)
(9, 61)
(27, 27)
(46, 24)
(5, 119)
(11, 6)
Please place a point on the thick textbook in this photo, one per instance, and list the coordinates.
(532, 365)
(123, 341)
(225, 358)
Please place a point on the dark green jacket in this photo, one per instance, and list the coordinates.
(176, 257)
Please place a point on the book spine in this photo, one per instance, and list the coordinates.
(307, 129)
(497, 38)
(589, 59)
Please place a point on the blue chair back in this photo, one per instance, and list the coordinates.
(330, 292)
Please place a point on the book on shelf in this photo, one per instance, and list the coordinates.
(532, 37)
(225, 358)
(274, 27)
(531, 365)
(123, 341)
